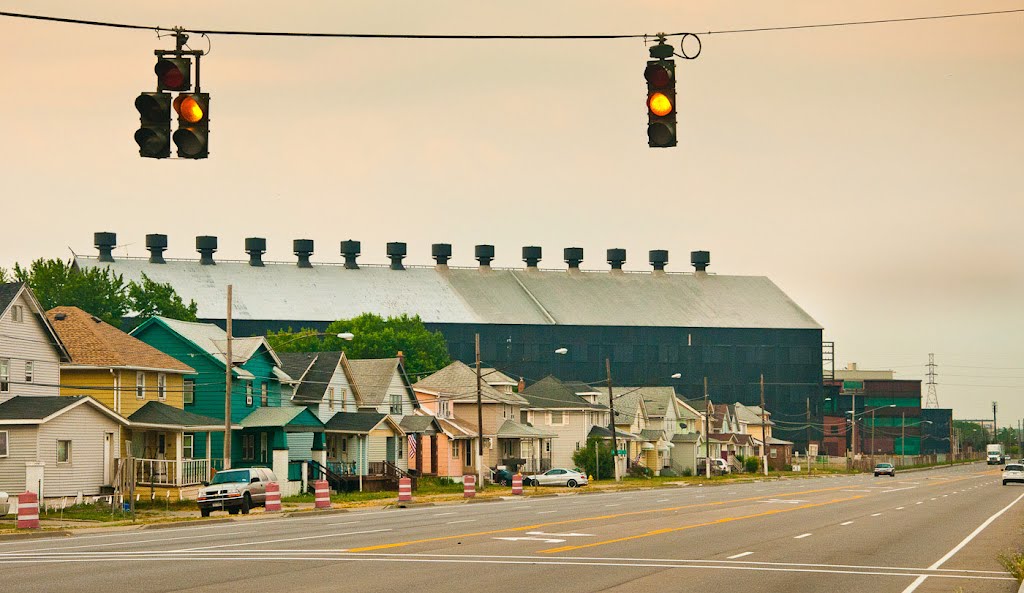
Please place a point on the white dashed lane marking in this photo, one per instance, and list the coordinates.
(740, 555)
(846, 523)
(801, 536)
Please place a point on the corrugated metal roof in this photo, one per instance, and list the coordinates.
(284, 292)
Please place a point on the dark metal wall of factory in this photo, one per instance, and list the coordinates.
(732, 360)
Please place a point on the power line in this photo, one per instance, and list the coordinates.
(418, 36)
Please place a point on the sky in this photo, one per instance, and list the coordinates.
(873, 172)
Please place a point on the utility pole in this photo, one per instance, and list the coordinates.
(228, 367)
(995, 427)
(764, 431)
(707, 432)
(853, 425)
(872, 437)
(611, 421)
(952, 451)
(808, 428)
(479, 420)
(903, 438)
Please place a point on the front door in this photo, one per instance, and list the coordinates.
(433, 454)
(391, 450)
(108, 457)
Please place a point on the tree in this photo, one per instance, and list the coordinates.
(150, 299)
(375, 337)
(971, 435)
(5, 277)
(57, 283)
(101, 292)
(595, 464)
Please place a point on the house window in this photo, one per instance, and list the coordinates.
(248, 447)
(399, 447)
(344, 445)
(140, 385)
(263, 395)
(444, 409)
(63, 451)
(3, 443)
(5, 375)
(469, 452)
(396, 403)
(577, 445)
(188, 448)
(161, 386)
(330, 397)
(29, 372)
(263, 447)
(161, 444)
(248, 395)
(524, 417)
(455, 449)
(188, 389)
(17, 313)
(508, 447)
(557, 417)
(774, 453)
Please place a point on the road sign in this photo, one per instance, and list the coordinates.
(620, 452)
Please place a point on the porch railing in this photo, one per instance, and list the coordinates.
(164, 472)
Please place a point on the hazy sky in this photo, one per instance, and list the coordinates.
(874, 172)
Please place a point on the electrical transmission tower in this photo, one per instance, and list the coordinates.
(932, 400)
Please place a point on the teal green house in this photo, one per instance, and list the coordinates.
(260, 425)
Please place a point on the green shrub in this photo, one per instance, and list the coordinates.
(687, 472)
(599, 467)
(639, 471)
(752, 465)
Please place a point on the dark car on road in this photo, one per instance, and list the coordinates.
(885, 469)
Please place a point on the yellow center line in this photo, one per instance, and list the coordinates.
(695, 525)
(584, 519)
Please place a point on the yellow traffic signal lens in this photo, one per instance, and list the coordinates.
(190, 110)
(659, 104)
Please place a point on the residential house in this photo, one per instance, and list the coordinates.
(759, 425)
(382, 387)
(30, 351)
(261, 440)
(58, 446)
(631, 421)
(688, 441)
(663, 423)
(125, 375)
(567, 410)
(450, 395)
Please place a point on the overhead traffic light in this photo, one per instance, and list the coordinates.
(173, 74)
(154, 133)
(661, 102)
(192, 135)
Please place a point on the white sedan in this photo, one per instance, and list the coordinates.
(557, 477)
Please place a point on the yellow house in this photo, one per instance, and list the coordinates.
(142, 384)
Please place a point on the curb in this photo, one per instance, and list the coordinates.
(479, 500)
(34, 535)
(312, 512)
(409, 505)
(187, 523)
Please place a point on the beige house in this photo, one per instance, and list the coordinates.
(568, 410)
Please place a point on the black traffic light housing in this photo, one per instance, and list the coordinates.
(154, 133)
(173, 73)
(660, 74)
(193, 133)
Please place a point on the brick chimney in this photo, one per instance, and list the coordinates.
(401, 358)
(522, 385)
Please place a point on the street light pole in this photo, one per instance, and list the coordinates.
(707, 433)
(228, 364)
(479, 419)
(764, 431)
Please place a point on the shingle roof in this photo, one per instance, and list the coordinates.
(657, 400)
(627, 402)
(456, 430)
(511, 429)
(354, 422)
(8, 291)
(686, 437)
(283, 417)
(208, 338)
(316, 369)
(35, 408)
(458, 382)
(419, 424)
(495, 377)
(750, 414)
(652, 434)
(165, 415)
(282, 291)
(373, 378)
(552, 394)
(604, 433)
(91, 342)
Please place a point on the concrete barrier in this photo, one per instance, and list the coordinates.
(273, 503)
(468, 486)
(28, 511)
(323, 494)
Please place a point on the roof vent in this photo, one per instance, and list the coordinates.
(531, 255)
(616, 257)
(206, 246)
(659, 259)
(700, 260)
(303, 248)
(485, 255)
(156, 244)
(60, 316)
(350, 250)
(396, 251)
(256, 247)
(105, 245)
(573, 257)
(441, 252)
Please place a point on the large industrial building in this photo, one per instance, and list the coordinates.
(651, 325)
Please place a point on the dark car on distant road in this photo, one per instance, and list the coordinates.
(887, 469)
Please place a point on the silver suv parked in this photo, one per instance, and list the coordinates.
(235, 490)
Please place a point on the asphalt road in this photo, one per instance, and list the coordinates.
(938, 530)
